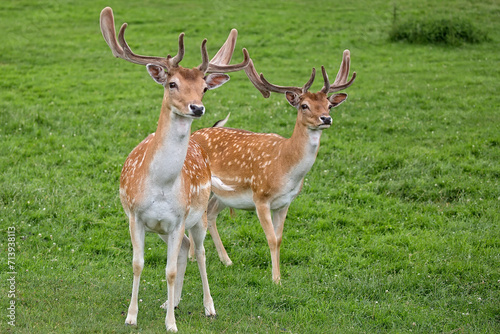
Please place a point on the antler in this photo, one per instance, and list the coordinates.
(220, 62)
(265, 87)
(340, 82)
(121, 49)
(255, 79)
(225, 53)
(214, 68)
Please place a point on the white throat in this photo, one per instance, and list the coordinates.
(169, 158)
(307, 161)
(314, 139)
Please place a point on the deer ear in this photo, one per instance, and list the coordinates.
(157, 73)
(337, 99)
(293, 98)
(216, 80)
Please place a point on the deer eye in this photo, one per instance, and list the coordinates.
(330, 106)
(304, 106)
(205, 90)
(172, 85)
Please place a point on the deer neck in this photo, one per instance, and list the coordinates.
(301, 149)
(170, 146)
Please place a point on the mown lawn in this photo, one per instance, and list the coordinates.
(396, 229)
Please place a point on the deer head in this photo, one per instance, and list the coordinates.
(314, 108)
(184, 88)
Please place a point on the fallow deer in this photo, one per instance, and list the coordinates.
(166, 181)
(266, 171)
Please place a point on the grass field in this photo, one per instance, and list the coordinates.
(396, 229)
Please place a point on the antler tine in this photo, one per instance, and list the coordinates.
(343, 72)
(254, 78)
(279, 89)
(122, 50)
(219, 63)
(265, 87)
(204, 56)
(310, 82)
(107, 22)
(215, 68)
(341, 82)
(326, 87)
(174, 62)
(134, 58)
(225, 53)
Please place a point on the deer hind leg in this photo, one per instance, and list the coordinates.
(198, 233)
(181, 269)
(264, 214)
(214, 208)
(137, 237)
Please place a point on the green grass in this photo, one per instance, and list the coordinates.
(396, 229)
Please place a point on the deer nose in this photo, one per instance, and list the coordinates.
(197, 110)
(326, 120)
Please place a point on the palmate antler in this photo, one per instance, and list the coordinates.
(340, 82)
(265, 87)
(218, 64)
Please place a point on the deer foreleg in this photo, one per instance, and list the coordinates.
(264, 214)
(137, 238)
(198, 233)
(191, 248)
(181, 269)
(174, 241)
(278, 224)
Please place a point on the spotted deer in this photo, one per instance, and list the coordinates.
(166, 180)
(266, 171)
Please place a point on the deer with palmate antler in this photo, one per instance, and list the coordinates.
(266, 171)
(165, 182)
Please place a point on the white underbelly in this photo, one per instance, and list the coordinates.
(242, 200)
(282, 201)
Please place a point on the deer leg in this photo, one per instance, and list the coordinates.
(181, 269)
(278, 224)
(198, 232)
(191, 248)
(137, 237)
(214, 208)
(264, 214)
(174, 241)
